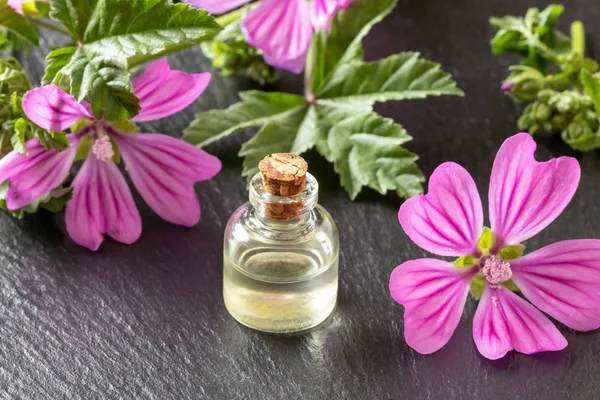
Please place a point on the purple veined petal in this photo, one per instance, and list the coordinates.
(433, 293)
(52, 108)
(448, 221)
(282, 30)
(163, 92)
(504, 321)
(563, 280)
(164, 169)
(35, 174)
(322, 11)
(526, 195)
(102, 203)
(217, 6)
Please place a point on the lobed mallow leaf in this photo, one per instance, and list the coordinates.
(113, 35)
(336, 116)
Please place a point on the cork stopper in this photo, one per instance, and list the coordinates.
(283, 175)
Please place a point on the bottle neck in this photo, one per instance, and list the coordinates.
(283, 211)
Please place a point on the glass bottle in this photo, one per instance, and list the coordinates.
(281, 252)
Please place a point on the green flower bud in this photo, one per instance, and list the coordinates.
(231, 53)
(542, 112)
(545, 95)
(524, 83)
(558, 122)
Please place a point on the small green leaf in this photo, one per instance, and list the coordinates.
(18, 138)
(510, 285)
(512, 252)
(113, 35)
(17, 24)
(126, 126)
(487, 240)
(591, 85)
(85, 144)
(464, 261)
(57, 199)
(4, 186)
(477, 287)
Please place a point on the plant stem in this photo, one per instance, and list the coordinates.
(49, 25)
(231, 17)
(578, 38)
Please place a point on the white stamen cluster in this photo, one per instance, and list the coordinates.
(102, 149)
(496, 271)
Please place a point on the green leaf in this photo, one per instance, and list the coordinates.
(486, 241)
(533, 37)
(112, 33)
(18, 139)
(343, 44)
(512, 252)
(464, 261)
(398, 77)
(340, 123)
(255, 109)
(366, 151)
(510, 285)
(4, 186)
(17, 24)
(591, 85)
(477, 287)
(57, 199)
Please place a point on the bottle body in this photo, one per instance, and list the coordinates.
(280, 276)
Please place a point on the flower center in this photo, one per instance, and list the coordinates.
(496, 271)
(102, 149)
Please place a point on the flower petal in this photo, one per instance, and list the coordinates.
(525, 195)
(322, 11)
(448, 221)
(35, 174)
(504, 322)
(52, 108)
(164, 169)
(101, 203)
(433, 293)
(282, 30)
(217, 6)
(163, 92)
(563, 280)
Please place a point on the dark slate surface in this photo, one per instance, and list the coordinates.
(147, 321)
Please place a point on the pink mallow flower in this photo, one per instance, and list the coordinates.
(281, 29)
(525, 196)
(162, 168)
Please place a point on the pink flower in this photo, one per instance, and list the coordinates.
(162, 168)
(281, 29)
(525, 196)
